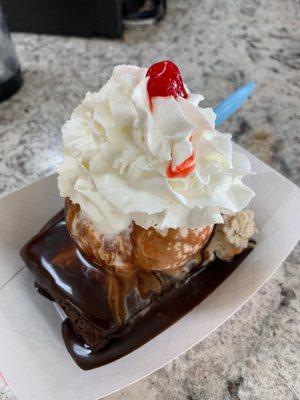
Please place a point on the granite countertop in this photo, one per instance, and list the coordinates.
(219, 46)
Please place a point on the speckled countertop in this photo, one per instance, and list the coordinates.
(219, 45)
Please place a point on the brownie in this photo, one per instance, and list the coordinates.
(90, 295)
(90, 334)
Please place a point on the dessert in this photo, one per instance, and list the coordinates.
(154, 214)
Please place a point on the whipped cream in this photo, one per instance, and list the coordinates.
(117, 149)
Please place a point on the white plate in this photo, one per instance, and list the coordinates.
(33, 357)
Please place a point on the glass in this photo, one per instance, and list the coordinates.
(10, 74)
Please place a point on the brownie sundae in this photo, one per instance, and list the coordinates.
(154, 216)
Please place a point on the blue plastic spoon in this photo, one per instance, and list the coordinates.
(233, 102)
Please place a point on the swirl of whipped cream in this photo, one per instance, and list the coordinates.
(117, 149)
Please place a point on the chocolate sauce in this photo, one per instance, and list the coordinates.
(61, 271)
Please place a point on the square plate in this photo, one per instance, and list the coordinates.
(33, 357)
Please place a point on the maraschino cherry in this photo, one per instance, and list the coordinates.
(165, 80)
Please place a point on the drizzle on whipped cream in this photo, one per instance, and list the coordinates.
(165, 80)
(120, 148)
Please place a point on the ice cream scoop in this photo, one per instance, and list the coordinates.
(136, 247)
